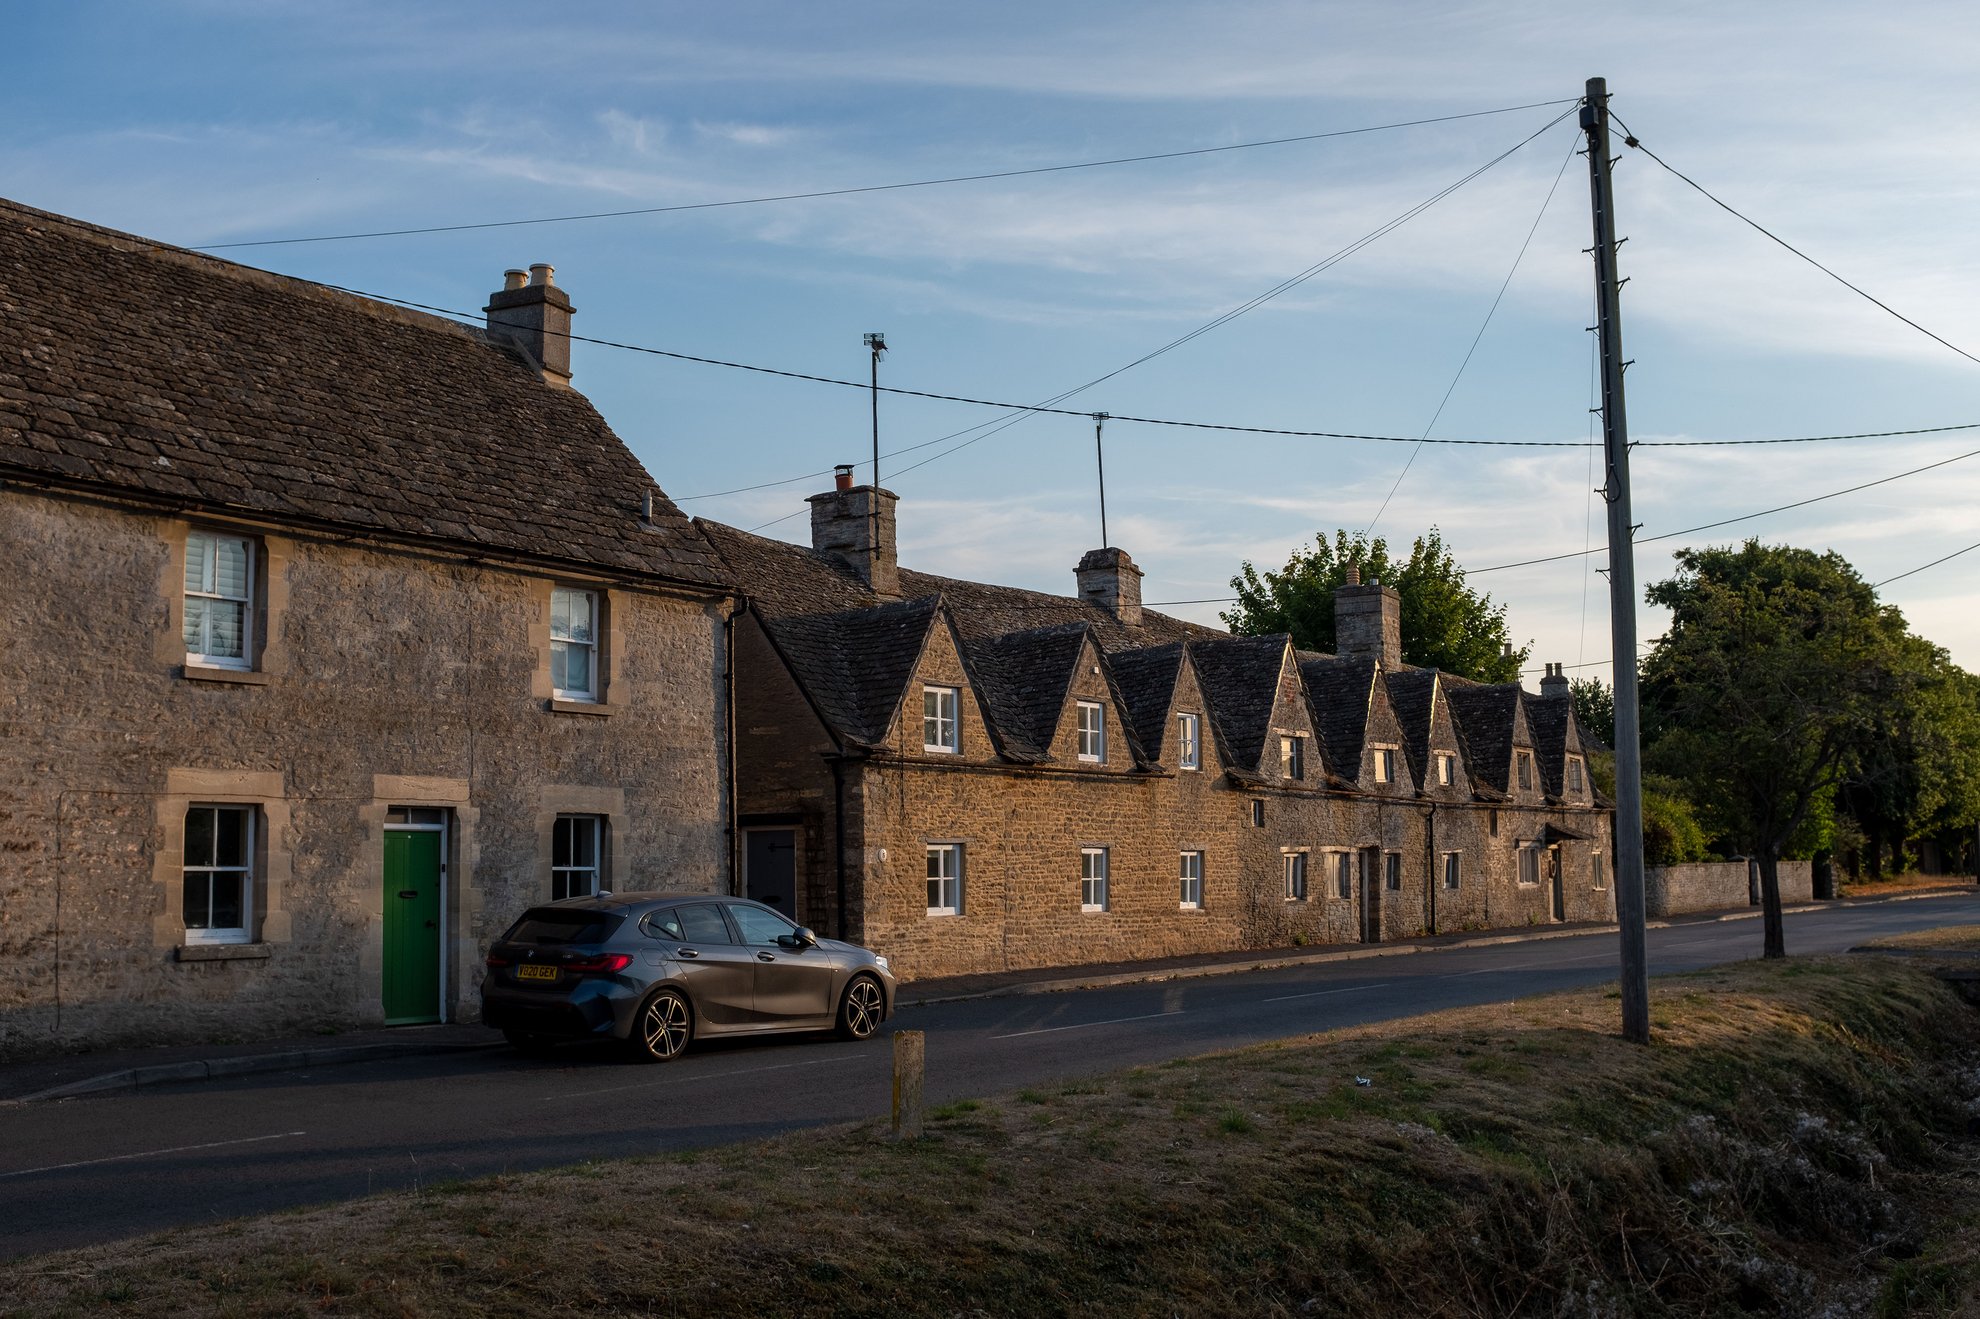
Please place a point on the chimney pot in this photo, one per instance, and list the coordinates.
(540, 274)
(1354, 574)
(1556, 681)
(514, 278)
(842, 476)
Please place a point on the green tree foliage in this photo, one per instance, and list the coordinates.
(1445, 624)
(1918, 770)
(1594, 708)
(1775, 669)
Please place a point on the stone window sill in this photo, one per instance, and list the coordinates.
(561, 706)
(211, 673)
(224, 952)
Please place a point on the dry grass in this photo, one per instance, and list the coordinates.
(1949, 938)
(1909, 882)
(1790, 1144)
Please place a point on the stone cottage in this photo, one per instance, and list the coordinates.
(971, 777)
(331, 636)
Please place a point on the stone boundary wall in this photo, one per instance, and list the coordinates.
(1718, 885)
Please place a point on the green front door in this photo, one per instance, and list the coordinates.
(412, 926)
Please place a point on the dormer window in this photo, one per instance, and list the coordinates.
(1523, 761)
(1446, 768)
(1092, 732)
(1292, 756)
(1385, 764)
(1574, 773)
(1189, 741)
(938, 719)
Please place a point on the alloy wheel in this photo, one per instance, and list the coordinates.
(860, 1016)
(664, 1026)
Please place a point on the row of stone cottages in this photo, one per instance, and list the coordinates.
(336, 634)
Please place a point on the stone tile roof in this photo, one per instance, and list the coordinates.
(138, 369)
(1240, 681)
(1413, 695)
(1485, 715)
(1339, 691)
(1550, 719)
(857, 663)
(1146, 680)
(1023, 678)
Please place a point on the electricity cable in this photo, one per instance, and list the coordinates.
(1923, 566)
(883, 187)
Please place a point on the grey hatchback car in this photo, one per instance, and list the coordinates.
(659, 970)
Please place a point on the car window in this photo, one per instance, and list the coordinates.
(759, 926)
(703, 923)
(665, 924)
(555, 925)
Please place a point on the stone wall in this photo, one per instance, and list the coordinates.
(1718, 886)
(387, 678)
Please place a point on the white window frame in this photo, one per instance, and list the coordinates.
(590, 645)
(1575, 776)
(1292, 756)
(945, 878)
(945, 725)
(1385, 764)
(1294, 868)
(1453, 870)
(1093, 879)
(209, 590)
(1343, 866)
(1529, 857)
(573, 825)
(1446, 768)
(1598, 870)
(1392, 872)
(1189, 876)
(1523, 770)
(1092, 732)
(1189, 741)
(244, 932)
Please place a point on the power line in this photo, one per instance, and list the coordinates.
(1630, 141)
(881, 187)
(1476, 339)
(1744, 517)
(1923, 566)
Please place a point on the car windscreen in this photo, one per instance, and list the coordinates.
(555, 925)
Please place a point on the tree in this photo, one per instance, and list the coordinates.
(1773, 671)
(1918, 772)
(1594, 708)
(1445, 624)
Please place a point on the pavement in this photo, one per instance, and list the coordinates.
(67, 1076)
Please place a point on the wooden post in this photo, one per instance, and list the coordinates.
(908, 1068)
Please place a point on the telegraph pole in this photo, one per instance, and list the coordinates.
(876, 344)
(1622, 574)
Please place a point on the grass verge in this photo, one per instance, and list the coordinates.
(1795, 1142)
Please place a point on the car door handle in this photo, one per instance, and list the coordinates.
(766, 957)
(686, 952)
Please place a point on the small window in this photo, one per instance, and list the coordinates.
(1292, 754)
(1453, 869)
(1257, 813)
(574, 644)
(1092, 732)
(944, 879)
(576, 846)
(1524, 760)
(1574, 773)
(219, 622)
(1598, 871)
(1295, 866)
(760, 927)
(1093, 879)
(417, 817)
(1190, 870)
(1344, 874)
(219, 874)
(1189, 741)
(703, 924)
(938, 719)
(1392, 871)
(1529, 865)
(1446, 768)
(1385, 765)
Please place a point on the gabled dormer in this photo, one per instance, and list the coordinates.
(1257, 702)
(1384, 767)
(1164, 701)
(854, 665)
(1490, 725)
(1051, 697)
(1093, 731)
(941, 715)
(1563, 758)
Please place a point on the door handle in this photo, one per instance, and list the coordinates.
(433, 925)
(766, 957)
(686, 952)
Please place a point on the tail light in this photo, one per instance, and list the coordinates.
(603, 964)
(496, 960)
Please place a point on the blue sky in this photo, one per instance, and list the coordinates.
(1846, 128)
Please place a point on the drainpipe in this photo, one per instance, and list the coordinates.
(729, 824)
(1430, 876)
(839, 836)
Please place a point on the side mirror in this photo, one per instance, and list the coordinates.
(805, 938)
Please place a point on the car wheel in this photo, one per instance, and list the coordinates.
(860, 1008)
(523, 1041)
(663, 1028)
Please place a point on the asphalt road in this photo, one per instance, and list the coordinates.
(100, 1169)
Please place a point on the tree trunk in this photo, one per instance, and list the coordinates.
(1770, 902)
(1874, 846)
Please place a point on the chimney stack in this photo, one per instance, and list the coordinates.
(855, 525)
(1108, 578)
(534, 315)
(1368, 620)
(1556, 682)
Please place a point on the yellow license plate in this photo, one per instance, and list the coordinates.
(536, 973)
